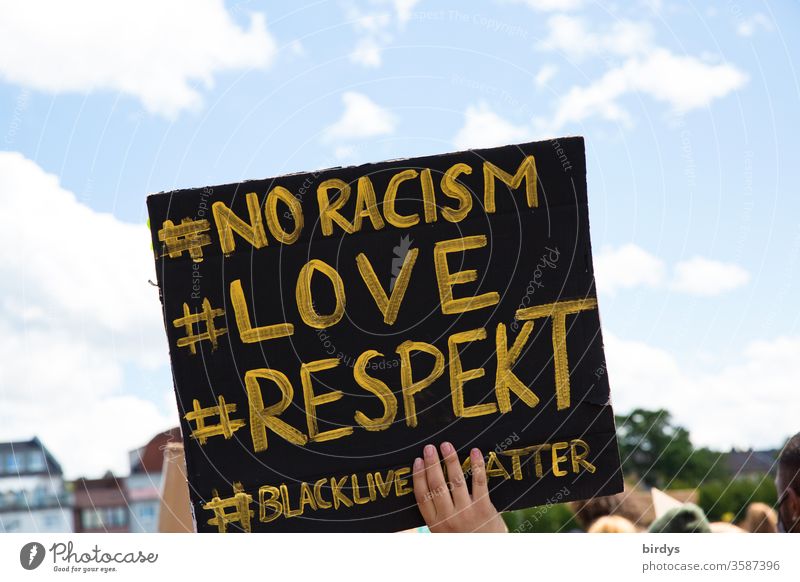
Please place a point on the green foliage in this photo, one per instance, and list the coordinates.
(720, 497)
(557, 517)
(655, 452)
(660, 454)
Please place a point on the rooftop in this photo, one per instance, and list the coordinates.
(22, 458)
(150, 457)
(107, 491)
(746, 463)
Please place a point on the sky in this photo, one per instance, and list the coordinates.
(690, 112)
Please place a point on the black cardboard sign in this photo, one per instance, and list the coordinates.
(324, 327)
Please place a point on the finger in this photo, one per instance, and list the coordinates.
(436, 483)
(422, 493)
(480, 487)
(455, 476)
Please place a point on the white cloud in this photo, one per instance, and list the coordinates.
(630, 266)
(154, 51)
(747, 27)
(551, 5)
(76, 314)
(362, 118)
(367, 52)
(699, 276)
(374, 32)
(375, 28)
(626, 267)
(545, 75)
(403, 9)
(483, 128)
(371, 22)
(683, 82)
(570, 35)
(344, 152)
(751, 402)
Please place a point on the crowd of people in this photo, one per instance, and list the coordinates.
(683, 518)
(447, 504)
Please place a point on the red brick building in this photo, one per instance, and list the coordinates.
(101, 505)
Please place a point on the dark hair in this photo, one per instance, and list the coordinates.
(588, 511)
(789, 463)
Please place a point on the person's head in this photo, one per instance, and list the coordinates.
(688, 518)
(612, 524)
(760, 518)
(588, 511)
(788, 484)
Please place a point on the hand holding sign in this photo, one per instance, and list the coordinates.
(312, 361)
(446, 504)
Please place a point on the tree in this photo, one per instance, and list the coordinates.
(721, 498)
(660, 453)
(554, 518)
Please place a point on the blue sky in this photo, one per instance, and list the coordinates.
(690, 113)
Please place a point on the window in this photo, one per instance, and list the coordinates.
(118, 516)
(50, 520)
(10, 463)
(39, 497)
(90, 519)
(35, 461)
(147, 512)
(104, 518)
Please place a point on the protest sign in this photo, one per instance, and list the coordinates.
(323, 327)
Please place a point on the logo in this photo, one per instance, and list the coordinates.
(31, 555)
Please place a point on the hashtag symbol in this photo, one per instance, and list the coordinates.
(189, 320)
(226, 426)
(239, 502)
(187, 236)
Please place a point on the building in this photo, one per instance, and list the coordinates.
(33, 495)
(143, 485)
(101, 505)
(751, 464)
